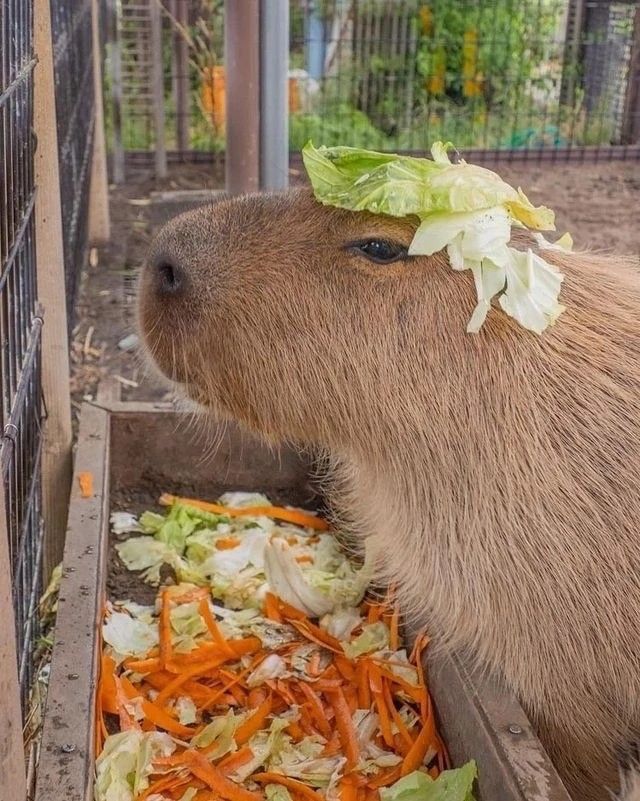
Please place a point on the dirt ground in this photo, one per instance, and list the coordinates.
(599, 204)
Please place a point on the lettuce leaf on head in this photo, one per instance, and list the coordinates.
(462, 207)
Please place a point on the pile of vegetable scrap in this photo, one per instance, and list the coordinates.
(206, 701)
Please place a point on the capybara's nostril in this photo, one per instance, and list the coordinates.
(169, 277)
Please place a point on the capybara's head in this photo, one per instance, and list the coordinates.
(307, 322)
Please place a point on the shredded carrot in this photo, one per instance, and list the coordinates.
(288, 515)
(85, 480)
(348, 789)
(255, 722)
(418, 750)
(153, 712)
(218, 782)
(236, 760)
(316, 708)
(346, 730)
(385, 779)
(364, 691)
(227, 543)
(271, 609)
(298, 787)
(212, 626)
(313, 668)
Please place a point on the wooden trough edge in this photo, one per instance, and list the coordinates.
(480, 718)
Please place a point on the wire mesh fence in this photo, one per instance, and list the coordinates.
(506, 76)
(73, 68)
(20, 328)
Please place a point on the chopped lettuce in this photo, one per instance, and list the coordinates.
(464, 208)
(219, 731)
(125, 764)
(186, 710)
(451, 785)
(276, 792)
(374, 637)
(128, 636)
(272, 667)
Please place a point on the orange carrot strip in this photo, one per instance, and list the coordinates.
(218, 782)
(333, 745)
(220, 695)
(346, 730)
(144, 665)
(86, 484)
(418, 750)
(377, 689)
(290, 612)
(317, 635)
(153, 712)
(227, 543)
(348, 789)
(293, 784)
(236, 760)
(253, 724)
(181, 678)
(386, 778)
(277, 512)
(296, 732)
(346, 667)
(364, 691)
(397, 717)
(317, 709)
(212, 625)
(127, 721)
(313, 668)
(271, 610)
(304, 559)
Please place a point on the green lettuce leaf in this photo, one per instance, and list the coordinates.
(462, 207)
(126, 762)
(451, 785)
(374, 637)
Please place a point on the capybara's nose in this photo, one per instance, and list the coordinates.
(169, 277)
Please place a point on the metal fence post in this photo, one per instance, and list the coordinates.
(274, 95)
(56, 457)
(99, 226)
(631, 115)
(115, 54)
(157, 84)
(242, 75)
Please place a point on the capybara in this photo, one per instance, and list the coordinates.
(496, 475)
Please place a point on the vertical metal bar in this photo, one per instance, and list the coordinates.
(242, 72)
(116, 92)
(630, 133)
(274, 94)
(157, 87)
(182, 77)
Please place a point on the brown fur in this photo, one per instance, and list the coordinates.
(497, 475)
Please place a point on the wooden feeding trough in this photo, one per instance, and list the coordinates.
(134, 450)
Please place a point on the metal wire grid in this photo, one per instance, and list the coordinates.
(548, 79)
(74, 88)
(505, 75)
(20, 327)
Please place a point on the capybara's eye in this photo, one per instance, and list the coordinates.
(381, 251)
